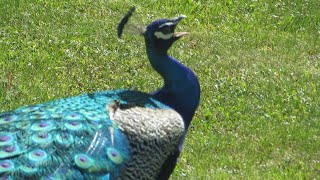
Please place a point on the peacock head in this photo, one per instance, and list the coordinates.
(160, 34)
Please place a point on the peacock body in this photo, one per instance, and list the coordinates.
(117, 134)
(88, 136)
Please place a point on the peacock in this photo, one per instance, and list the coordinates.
(114, 134)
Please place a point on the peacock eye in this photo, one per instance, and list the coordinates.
(166, 29)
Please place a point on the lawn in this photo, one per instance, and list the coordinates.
(258, 63)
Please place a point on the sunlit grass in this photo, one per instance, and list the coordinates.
(257, 61)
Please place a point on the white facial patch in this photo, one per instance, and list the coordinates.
(166, 24)
(160, 35)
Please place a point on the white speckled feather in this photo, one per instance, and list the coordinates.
(156, 132)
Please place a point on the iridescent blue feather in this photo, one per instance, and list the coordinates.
(70, 138)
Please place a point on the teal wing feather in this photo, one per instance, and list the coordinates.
(71, 138)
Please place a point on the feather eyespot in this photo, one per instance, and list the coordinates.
(41, 138)
(6, 139)
(83, 161)
(73, 125)
(8, 119)
(37, 155)
(6, 166)
(9, 151)
(42, 126)
(114, 155)
(64, 139)
(28, 168)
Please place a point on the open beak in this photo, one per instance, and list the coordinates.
(176, 21)
(180, 34)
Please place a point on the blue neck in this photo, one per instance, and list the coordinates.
(181, 90)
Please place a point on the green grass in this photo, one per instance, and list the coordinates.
(258, 63)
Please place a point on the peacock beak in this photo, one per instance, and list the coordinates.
(176, 21)
(179, 34)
